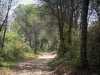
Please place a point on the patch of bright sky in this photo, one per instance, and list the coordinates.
(25, 2)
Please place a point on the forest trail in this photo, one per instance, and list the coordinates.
(36, 66)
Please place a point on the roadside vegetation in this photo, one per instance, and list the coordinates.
(68, 28)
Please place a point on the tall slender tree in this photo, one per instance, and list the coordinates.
(70, 21)
(84, 25)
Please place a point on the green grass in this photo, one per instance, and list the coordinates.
(6, 64)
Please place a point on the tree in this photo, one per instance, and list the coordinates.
(6, 16)
(96, 6)
(34, 24)
(5, 5)
(57, 8)
(84, 25)
(29, 24)
(70, 21)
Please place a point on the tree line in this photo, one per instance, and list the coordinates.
(59, 25)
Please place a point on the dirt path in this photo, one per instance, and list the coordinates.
(32, 67)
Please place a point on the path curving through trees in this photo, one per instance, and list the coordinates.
(36, 66)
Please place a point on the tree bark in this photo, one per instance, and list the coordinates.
(30, 40)
(98, 10)
(62, 45)
(36, 43)
(70, 22)
(5, 29)
(6, 17)
(84, 25)
(61, 28)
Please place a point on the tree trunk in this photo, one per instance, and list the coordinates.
(62, 45)
(4, 32)
(98, 10)
(84, 23)
(6, 17)
(70, 22)
(61, 33)
(61, 28)
(36, 43)
(41, 46)
(30, 40)
(76, 15)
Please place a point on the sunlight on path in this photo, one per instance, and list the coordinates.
(33, 67)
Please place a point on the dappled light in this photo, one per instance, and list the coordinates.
(49, 37)
(37, 66)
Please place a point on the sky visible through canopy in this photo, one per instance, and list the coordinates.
(25, 2)
(93, 16)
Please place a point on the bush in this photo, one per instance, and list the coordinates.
(11, 52)
(94, 47)
(72, 57)
(14, 48)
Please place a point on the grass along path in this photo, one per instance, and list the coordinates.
(36, 66)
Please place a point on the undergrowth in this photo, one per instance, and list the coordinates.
(70, 58)
(14, 50)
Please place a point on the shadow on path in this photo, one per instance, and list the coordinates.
(38, 66)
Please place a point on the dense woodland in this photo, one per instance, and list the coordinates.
(70, 28)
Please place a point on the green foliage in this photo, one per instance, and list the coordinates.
(71, 57)
(94, 47)
(12, 37)
(15, 49)
(24, 15)
(6, 64)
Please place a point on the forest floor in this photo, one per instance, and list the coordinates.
(38, 66)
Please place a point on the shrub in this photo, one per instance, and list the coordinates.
(14, 49)
(72, 57)
(94, 47)
(11, 52)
